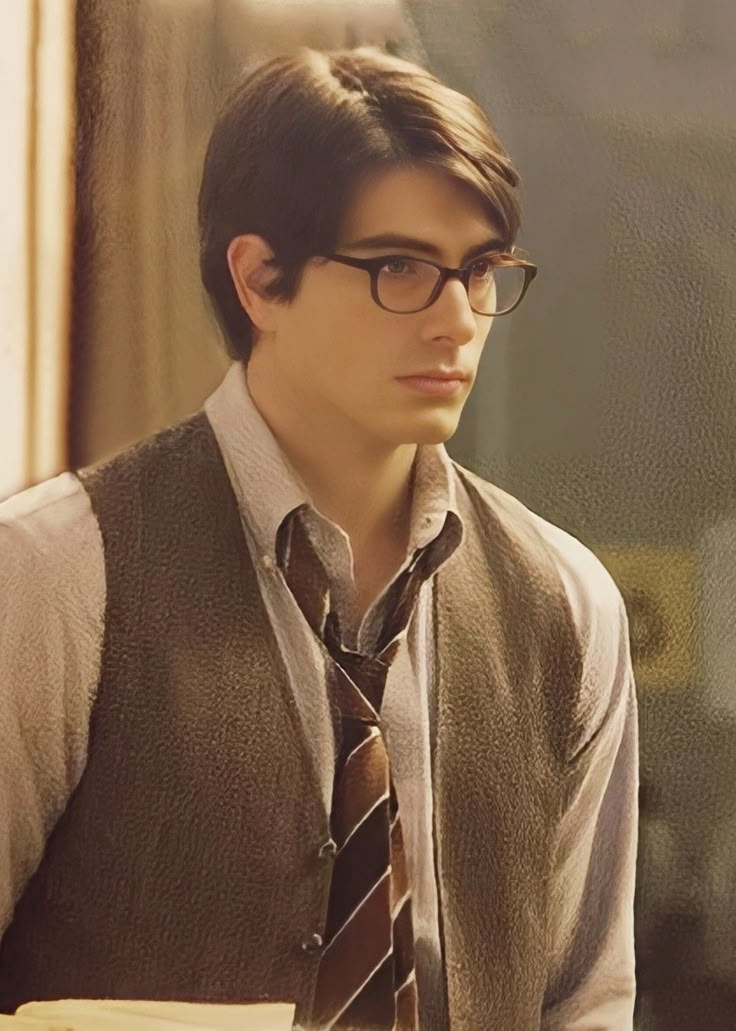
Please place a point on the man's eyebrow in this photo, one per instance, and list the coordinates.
(382, 240)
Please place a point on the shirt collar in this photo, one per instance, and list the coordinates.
(268, 487)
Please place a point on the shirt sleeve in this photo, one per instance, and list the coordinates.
(52, 596)
(592, 983)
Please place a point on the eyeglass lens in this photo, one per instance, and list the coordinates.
(406, 284)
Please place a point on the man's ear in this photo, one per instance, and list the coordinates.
(246, 257)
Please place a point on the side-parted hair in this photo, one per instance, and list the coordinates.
(299, 135)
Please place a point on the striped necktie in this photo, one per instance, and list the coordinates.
(366, 978)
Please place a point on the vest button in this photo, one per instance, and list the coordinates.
(312, 944)
(328, 849)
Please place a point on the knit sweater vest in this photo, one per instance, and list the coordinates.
(188, 862)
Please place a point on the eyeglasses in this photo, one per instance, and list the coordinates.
(495, 284)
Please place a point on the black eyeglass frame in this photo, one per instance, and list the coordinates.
(374, 265)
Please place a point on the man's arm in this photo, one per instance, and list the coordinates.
(592, 978)
(52, 593)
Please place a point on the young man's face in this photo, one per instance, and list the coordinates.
(340, 355)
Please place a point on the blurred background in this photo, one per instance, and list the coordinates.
(607, 402)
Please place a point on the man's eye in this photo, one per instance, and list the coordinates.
(482, 268)
(408, 266)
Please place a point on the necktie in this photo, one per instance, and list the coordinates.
(366, 977)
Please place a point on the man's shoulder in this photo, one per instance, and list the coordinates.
(156, 450)
(51, 558)
(44, 519)
(590, 588)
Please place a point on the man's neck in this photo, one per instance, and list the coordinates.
(364, 488)
(371, 501)
(373, 504)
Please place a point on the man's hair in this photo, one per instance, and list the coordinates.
(299, 135)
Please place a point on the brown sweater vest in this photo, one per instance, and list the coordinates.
(187, 863)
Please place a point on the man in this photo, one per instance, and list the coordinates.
(296, 707)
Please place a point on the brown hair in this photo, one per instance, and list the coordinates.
(297, 137)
